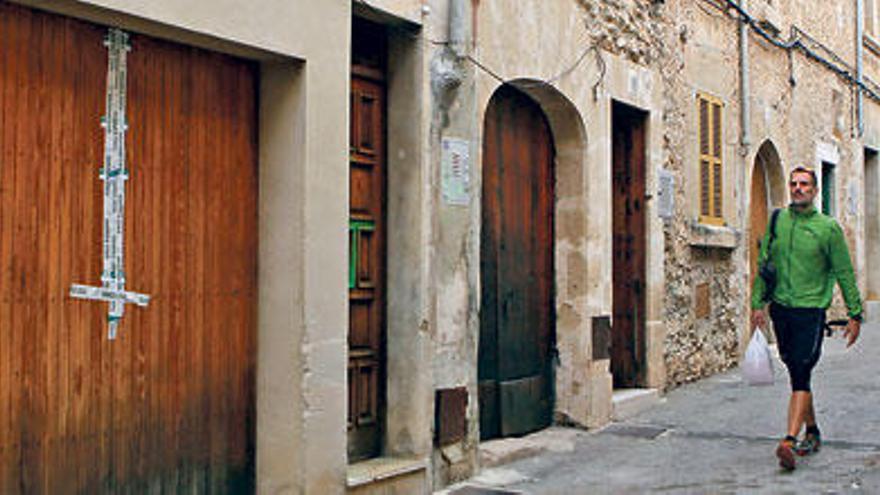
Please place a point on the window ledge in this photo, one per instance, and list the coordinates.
(382, 468)
(702, 235)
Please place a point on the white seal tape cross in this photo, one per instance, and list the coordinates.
(114, 175)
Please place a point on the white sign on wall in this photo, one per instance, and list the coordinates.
(665, 194)
(455, 171)
(853, 203)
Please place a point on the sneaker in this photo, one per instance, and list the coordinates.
(785, 454)
(809, 445)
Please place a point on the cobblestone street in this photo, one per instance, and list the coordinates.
(718, 436)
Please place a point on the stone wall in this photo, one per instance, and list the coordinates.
(797, 105)
(656, 35)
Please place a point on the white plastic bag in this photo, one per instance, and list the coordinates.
(757, 365)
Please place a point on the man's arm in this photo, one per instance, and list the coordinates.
(842, 270)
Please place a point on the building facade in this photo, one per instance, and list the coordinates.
(375, 234)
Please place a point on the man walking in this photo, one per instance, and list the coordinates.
(809, 254)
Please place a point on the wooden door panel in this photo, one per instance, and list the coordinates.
(366, 265)
(169, 404)
(629, 247)
(758, 215)
(517, 302)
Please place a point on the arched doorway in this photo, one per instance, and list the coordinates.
(517, 308)
(767, 192)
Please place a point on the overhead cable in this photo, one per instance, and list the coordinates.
(837, 66)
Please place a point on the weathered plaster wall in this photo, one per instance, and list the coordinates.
(525, 43)
(411, 10)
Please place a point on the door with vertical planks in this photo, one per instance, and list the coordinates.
(628, 231)
(168, 406)
(366, 336)
(517, 311)
(758, 214)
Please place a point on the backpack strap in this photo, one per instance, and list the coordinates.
(773, 217)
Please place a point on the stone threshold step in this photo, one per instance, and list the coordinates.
(629, 402)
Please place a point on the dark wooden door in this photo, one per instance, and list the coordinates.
(628, 198)
(169, 405)
(517, 337)
(366, 368)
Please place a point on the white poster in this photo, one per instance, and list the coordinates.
(456, 170)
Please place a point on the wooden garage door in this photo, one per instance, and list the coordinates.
(169, 405)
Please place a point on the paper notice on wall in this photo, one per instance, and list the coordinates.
(853, 203)
(665, 194)
(456, 170)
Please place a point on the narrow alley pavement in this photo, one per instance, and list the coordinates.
(716, 436)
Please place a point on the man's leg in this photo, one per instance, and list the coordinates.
(799, 335)
(810, 414)
(799, 405)
(800, 412)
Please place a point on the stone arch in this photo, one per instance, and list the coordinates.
(768, 158)
(766, 192)
(573, 342)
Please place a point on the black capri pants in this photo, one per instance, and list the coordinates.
(799, 333)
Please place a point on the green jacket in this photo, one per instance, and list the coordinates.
(810, 254)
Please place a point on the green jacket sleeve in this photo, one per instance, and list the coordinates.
(758, 287)
(842, 271)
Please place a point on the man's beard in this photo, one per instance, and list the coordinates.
(800, 203)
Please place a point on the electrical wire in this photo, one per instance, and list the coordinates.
(838, 66)
(717, 15)
(541, 82)
(485, 69)
(602, 68)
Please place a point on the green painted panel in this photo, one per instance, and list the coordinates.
(355, 227)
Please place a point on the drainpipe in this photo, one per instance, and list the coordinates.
(745, 108)
(458, 27)
(860, 47)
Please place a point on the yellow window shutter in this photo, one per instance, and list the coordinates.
(704, 127)
(717, 166)
(711, 169)
(705, 185)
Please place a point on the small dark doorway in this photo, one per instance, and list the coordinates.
(517, 319)
(628, 198)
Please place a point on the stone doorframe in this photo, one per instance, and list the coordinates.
(767, 156)
(776, 179)
(570, 233)
(572, 392)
